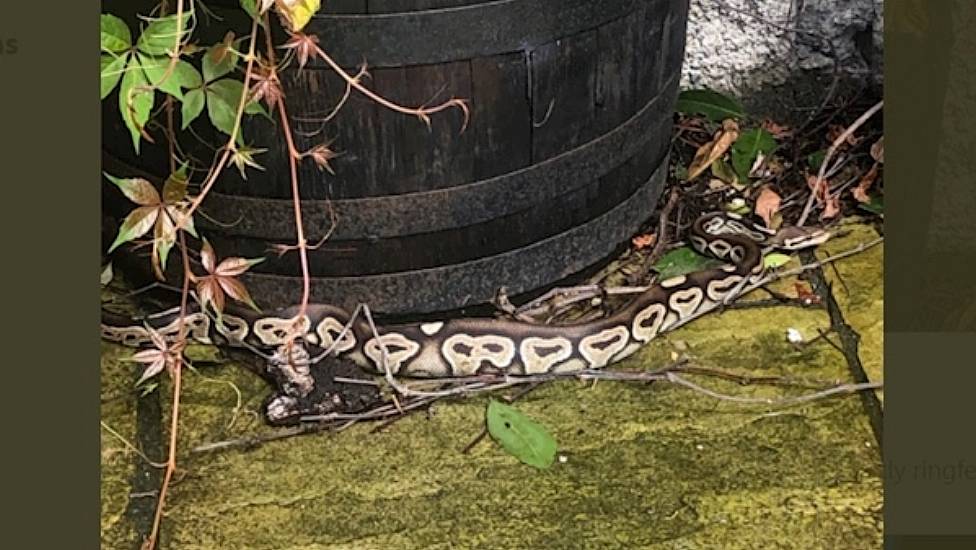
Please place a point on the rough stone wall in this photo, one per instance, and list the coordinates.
(954, 200)
(743, 46)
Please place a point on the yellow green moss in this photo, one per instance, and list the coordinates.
(647, 466)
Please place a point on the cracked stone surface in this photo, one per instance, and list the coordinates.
(744, 46)
(654, 466)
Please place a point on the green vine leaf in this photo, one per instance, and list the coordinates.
(116, 37)
(712, 105)
(184, 75)
(111, 73)
(520, 436)
(218, 60)
(193, 102)
(135, 100)
(747, 149)
(160, 35)
(223, 98)
(251, 7)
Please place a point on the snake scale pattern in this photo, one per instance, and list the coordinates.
(470, 346)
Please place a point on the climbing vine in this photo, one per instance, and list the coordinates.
(160, 74)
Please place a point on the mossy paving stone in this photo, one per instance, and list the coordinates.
(648, 466)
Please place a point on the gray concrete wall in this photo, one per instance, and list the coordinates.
(744, 46)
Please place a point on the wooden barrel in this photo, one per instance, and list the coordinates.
(563, 158)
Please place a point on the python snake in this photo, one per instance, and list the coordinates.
(470, 346)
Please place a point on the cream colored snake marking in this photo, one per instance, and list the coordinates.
(468, 346)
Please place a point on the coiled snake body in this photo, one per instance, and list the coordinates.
(469, 346)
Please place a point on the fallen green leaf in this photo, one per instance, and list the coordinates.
(723, 171)
(747, 148)
(774, 260)
(520, 436)
(682, 261)
(876, 206)
(815, 159)
(713, 105)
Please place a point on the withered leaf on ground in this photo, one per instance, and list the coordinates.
(779, 131)
(644, 241)
(722, 170)
(713, 150)
(831, 207)
(877, 150)
(834, 131)
(861, 191)
(767, 206)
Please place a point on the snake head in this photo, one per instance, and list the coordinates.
(795, 238)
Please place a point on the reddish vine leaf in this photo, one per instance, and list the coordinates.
(221, 279)
(304, 45)
(163, 355)
(160, 213)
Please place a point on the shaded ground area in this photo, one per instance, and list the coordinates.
(646, 466)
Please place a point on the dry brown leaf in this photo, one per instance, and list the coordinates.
(861, 191)
(716, 184)
(834, 131)
(767, 205)
(877, 150)
(644, 241)
(778, 131)
(713, 150)
(805, 294)
(831, 208)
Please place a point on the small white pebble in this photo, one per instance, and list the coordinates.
(563, 459)
(794, 335)
(596, 301)
(700, 447)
